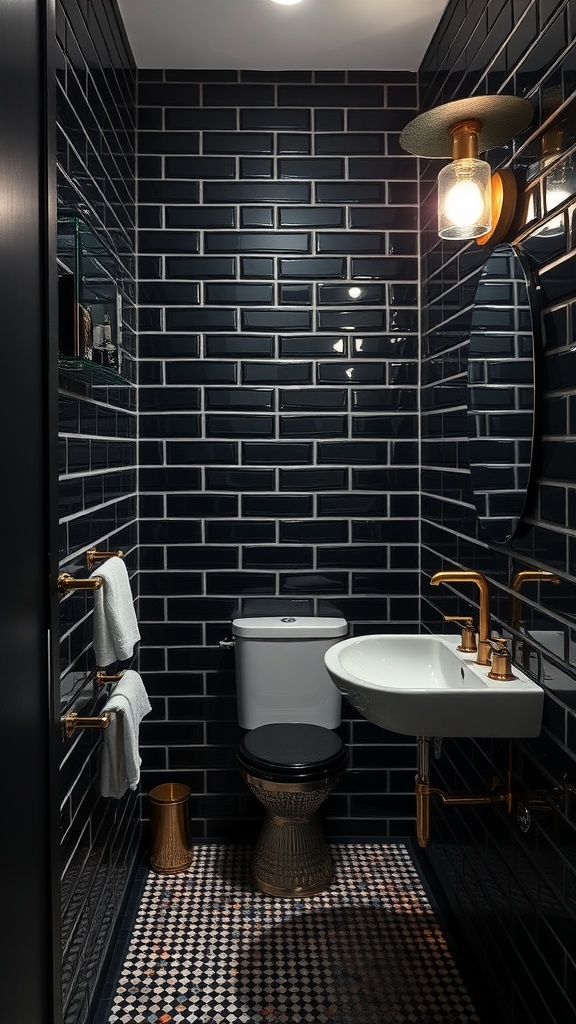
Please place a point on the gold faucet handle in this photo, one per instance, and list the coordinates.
(501, 667)
(468, 636)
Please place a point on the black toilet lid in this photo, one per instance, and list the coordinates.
(291, 750)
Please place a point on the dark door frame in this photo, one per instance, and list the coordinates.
(29, 715)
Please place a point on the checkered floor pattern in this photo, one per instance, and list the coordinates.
(206, 948)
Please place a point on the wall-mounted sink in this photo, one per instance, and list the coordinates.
(423, 686)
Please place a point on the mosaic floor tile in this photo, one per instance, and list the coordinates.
(207, 949)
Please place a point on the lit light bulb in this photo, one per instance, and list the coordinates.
(464, 199)
(464, 203)
(286, 2)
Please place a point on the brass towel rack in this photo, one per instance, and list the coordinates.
(93, 556)
(67, 582)
(102, 678)
(73, 721)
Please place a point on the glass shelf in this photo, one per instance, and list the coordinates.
(73, 370)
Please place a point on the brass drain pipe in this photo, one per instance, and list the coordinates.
(500, 791)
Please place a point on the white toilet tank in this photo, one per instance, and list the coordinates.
(280, 671)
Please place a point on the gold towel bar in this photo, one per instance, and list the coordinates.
(93, 556)
(72, 721)
(67, 582)
(102, 678)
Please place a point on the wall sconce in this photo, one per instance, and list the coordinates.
(472, 202)
(560, 184)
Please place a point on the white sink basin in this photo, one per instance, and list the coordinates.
(423, 686)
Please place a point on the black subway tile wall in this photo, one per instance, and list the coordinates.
(511, 879)
(278, 404)
(98, 507)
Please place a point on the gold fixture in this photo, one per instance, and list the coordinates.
(93, 556)
(102, 679)
(291, 857)
(72, 722)
(67, 582)
(500, 792)
(517, 582)
(501, 667)
(468, 636)
(472, 203)
(171, 844)
(470, 576)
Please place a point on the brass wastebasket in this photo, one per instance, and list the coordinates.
(171, 847)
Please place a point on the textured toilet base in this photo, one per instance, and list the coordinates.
(291, 858)
(207, 948)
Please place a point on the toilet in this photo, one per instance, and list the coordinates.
(290, 757)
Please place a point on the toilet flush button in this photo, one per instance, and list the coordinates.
(287, 620)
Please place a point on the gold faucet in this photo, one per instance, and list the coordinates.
(470, 576)
(517, 582)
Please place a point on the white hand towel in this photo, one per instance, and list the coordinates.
(120, 765)
(115, 625)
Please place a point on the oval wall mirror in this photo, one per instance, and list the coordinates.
(501, 391)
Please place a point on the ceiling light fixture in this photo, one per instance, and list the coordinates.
(472, 202)
(286, 2)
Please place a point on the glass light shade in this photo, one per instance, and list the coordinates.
(464, 199)
(559, 186)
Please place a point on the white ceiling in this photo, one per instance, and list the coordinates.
(258, 35)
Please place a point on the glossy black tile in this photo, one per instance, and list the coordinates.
(170, 425)
(199, 167)
(168, 241)
(277, 373)
(313, 399)
(276, 320)
(200, 319)
(238, 294)
(312, 345)
(253, 241)
(312, 217)
(201, 452)
(169, 294)
(249, 399)
(164, 399)
(312, 268)
(352, 319)
(239, 346)
(351, 192)
(240, 532)
(313, 479)
(313, 426)
(212, 505)
(239, 426)
(238, 96)
(245, 192)
(257, 217)
(275, 118)
(200, 217)
(331, 96)
(196, 118)
(355, 373)
(289, 557)
(200, 372)
(276, 453)
(168, 346)
(200, 267)
(295, 294)
(277, 506)
(334, 295)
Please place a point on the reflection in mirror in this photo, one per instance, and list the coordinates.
(501, 392)
(543, 608)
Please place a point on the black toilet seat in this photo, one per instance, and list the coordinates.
(292, 752)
